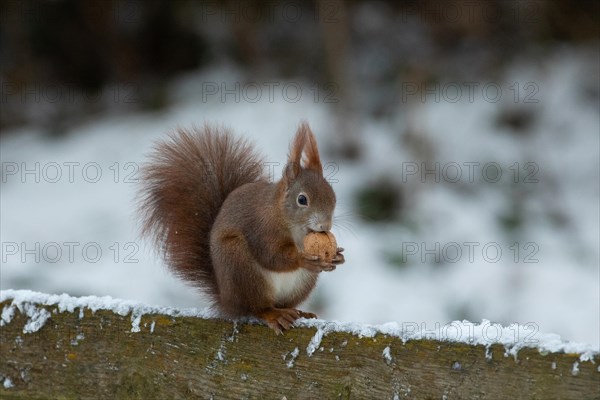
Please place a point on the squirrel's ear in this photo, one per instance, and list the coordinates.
(290, 172)
(304, 142)
(312, 159)
(293, 167)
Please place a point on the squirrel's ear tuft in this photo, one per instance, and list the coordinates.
(296, 147)
(312, 159)
(304, 142)
(293, 167)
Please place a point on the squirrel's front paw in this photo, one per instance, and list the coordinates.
(316, 264)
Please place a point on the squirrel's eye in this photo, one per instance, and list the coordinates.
(302, 200)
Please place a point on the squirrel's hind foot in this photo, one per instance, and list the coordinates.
(282, 319)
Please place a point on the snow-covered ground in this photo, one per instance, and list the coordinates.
(67, 229)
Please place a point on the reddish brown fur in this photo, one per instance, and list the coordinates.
(225, 229)
(185, 182)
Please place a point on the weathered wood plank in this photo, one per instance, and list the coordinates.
(96, 355)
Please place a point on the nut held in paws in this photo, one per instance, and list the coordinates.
(322, 244)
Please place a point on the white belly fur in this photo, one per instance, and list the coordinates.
(287, 284)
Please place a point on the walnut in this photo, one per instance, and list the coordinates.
(322, 244)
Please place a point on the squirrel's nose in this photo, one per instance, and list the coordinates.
(324, 226)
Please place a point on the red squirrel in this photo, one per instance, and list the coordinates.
(225, 229)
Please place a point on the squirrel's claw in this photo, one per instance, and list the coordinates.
(309, 315)
(339, 257)
(310, 257)
(316, 264)
(282, 319)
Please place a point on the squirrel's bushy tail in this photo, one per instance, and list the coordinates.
(184, 185)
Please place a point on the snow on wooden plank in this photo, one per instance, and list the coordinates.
(57, 345)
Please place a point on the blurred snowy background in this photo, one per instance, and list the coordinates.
(463, 136)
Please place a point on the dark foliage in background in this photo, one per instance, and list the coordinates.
(87, 46)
